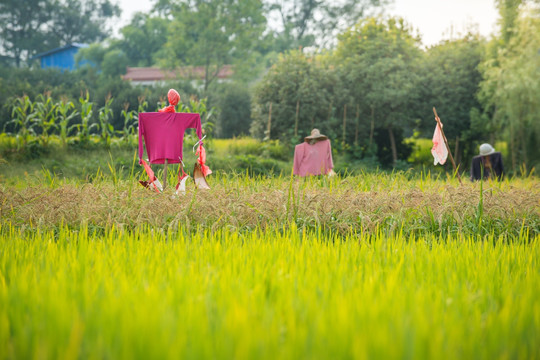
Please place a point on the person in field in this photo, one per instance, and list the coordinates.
(313, 156)
(488, 164)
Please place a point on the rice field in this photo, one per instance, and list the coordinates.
(376, 265)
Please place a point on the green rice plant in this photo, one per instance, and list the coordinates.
(45, 116)
(64, 117)
(156, 292)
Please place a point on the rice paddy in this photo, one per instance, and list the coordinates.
(368, 266)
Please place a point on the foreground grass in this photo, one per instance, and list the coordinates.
(153, 293)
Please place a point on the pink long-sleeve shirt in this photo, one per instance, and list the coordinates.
(163, 135)
(313, 159)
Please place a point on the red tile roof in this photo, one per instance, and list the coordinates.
(157, 74)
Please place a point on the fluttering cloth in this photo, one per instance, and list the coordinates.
(313, 159)
(163, 135)
(439, 150)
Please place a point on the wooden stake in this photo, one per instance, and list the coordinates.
(456, 151)
(372, 126)
(357, 119)
(269, 121)
(439, 124)
(344, 122)
(296, 120)
(165, 174)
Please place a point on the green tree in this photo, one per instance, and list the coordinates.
(382, 58)
(22, 26)
(301, 91)
(451, 78)
(81, 21)
(234, 102)
(31, 26)
(511, 90)
(143, 38)
(304, 23)
(212, 34)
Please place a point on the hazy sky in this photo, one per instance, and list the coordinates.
(434, 19)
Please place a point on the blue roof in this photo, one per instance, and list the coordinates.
(59, 49)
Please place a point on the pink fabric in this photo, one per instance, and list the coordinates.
(439, 151)
(313, 159)
(163, 135)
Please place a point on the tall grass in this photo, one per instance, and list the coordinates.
(393, 202)
(288, 294)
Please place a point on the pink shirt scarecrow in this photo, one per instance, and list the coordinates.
(314, 156)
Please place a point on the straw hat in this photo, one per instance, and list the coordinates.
(315, 135)
(486, 149)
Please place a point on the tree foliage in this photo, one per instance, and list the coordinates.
(32, 26)
(212, 34)
(511, 90)
(451, 78)
(380, 62)
(306, 22)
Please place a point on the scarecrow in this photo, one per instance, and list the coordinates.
(163, 135)
(313, 156)
(488, 164)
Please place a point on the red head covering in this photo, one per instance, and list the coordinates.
(173, 96)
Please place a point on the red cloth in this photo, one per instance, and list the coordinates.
(313, 159)
(163, 135)
(168, 109)
(174, 98)
(202, 161)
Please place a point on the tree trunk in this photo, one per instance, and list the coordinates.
(392, 144)
(512, 146)
(344, 124)
(296, 119)
(269, 122)
(356, 130)
(456, 151)
(372, 126)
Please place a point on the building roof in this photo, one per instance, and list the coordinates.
(59, 49)
(157, 74)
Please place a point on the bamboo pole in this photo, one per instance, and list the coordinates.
(372, 126)
(269, 121)
(357, 119)
(439, 124)
(344, 123)
(456, 151)
(296, 119)
(165, 174)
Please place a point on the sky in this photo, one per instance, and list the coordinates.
(436, 20)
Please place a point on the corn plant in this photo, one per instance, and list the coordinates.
(130, 126)
(22, 114)
(64, 116)
(83, 129)
(143, 104)
(45, 116)
(199, 107)
(104, 125)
